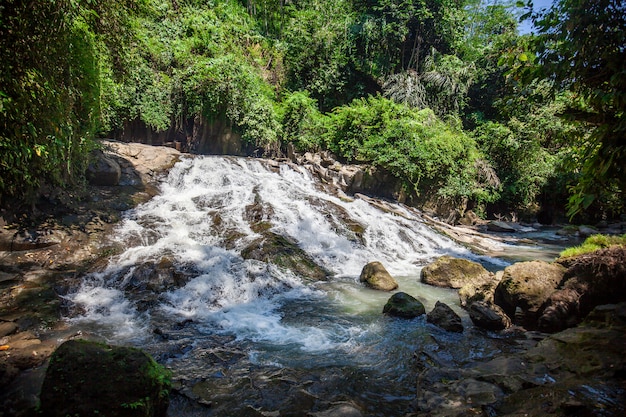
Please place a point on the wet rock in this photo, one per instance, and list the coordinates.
(7, 328)
(451, 393)
(500, 227)
(586, 231)
(103, 170)
(488, 316)
(591, 280)
(284, 253)
(404, 305)
(443, 316)
(450, 272)
(86, 378)
(375, 276)
(340, 410)
(527, 286)
(588, 363)
(478, 290)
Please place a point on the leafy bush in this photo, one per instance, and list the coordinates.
(300, 121)
(431, 157)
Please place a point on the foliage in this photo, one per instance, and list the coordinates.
(434, 159)
(274, 70)
(580, 47)
(593, 243)
(300, 120)
(49, 95)
(318, 56)
(442, 86)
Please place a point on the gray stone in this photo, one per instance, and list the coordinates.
(443, 316)
(500, 227)
(488, 316)
(103, 170)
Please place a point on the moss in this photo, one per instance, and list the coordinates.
(593, 243)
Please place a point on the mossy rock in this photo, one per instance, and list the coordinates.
(87, 378)
(450, 272)
(280, 251)
(375, 276)
(404, 305)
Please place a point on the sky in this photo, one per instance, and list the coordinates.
(526, 26)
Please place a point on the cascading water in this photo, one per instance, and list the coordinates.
(248, 336)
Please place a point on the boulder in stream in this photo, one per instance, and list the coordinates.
(451, 272)
(87, 379)
(284, 253)
(443, 316)
(488, 316)
(592, 279)
(404, 305)
(375, 276)
(526, 286)
(478, 290)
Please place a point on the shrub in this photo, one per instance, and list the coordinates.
(431, 157)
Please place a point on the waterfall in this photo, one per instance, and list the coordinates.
(210, 209)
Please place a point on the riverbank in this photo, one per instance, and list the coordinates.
(64, 234)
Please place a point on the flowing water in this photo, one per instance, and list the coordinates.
(245, 337)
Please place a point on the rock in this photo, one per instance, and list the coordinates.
(500, 227)
(103, 170)
(376, 276)
(443, 316)
(284, 253)
(592, 279)
(469, 218)
(340, 410)
(7, 328)
(527, 286)
(403, 305)
(87, 378)
(478, 290)
(488, 316)
(586, 231)
(450, 272)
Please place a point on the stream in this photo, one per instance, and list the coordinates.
(246, 337)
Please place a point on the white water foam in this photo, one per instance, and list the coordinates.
(199, 220)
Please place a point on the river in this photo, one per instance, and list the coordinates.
(245, 337)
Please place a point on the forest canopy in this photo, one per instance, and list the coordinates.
(446, 95)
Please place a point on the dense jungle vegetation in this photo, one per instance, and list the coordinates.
(446, 95)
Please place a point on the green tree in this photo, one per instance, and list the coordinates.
(580, 47)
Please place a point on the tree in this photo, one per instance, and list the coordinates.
(580, 46)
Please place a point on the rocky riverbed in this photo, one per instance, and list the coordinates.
(579, 371)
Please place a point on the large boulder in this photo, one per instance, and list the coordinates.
(404, 305)
(478, 290)
(592, 279)
(488, 316)
(450, 272)
(284, 253)
(103, 170)
(375, 276)
(525, 287)
(443, 316)
(88, 379)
